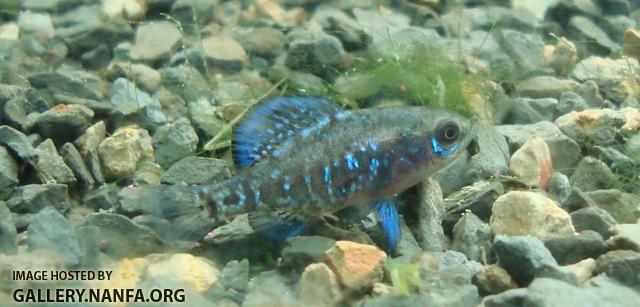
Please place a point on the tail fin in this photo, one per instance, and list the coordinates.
(182, 206)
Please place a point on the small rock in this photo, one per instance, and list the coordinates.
(8, 232)
(593, 218)
(592, 174)
(72, 158)
(532, 163)
(319, 285)
(36, 24)
(356, 265)
(521, 256)
(224, 52)
(526, 50)
(10, 31)
(550, 292)
(204, 118)
(264, 41)
(173, 142)
(120, 237)
(625, 236)
(545, 86)
(492, 153)
(34, 197)
(564, 57)
(8, 173)
(269, 287)
(557, 272)
(91, 138)
(51, 231)
(583, 270)
(631, 46)
(337, 23)
(472, 237)
(147, 173)
(572, 248)
(196, 170)
(429, 232)
(173, 106)
(129, 9)
(611, 74)
(529, 213)
(565, 152)
(133, 106)
(195, 272)
(301, 251)
(596, 126)
(51, 167)
(155, 41)
(408, 246)
(513, 297)
(584, 30)
(622, 206)
(237, 230)
(104, 197)
(314, 52)
(621, 265)
(570, 101)
(478, 197)
(146, 77)
(493, 279)
(121, 152)
(233, 283)
(559, 187)
(80, 84)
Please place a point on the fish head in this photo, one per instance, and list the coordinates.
(444, 134)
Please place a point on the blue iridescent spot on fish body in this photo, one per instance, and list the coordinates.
(286, 186)
(352, 162)
(327, 174)
(373, 166)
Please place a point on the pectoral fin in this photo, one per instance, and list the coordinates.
(278, 225)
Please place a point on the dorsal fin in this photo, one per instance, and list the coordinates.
(270, 124)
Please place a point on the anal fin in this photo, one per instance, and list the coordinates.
(389, 221)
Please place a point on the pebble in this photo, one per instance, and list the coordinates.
(548, 292)
(621, 265)
(570, 101)
(529, 213)
(133, 106)
(478, 198)
(337, 23)
(233, 283)
(300, 251)
(50, 230)
(204, 118)
(196, 170)
(8, 173)
(559, 187)
(174, 141)
(356, 265)
(584, 30)
(631, 46)
(592, 174)
(63, 123)
(74, 161)
(557, 272)
(521, 256)
(545, 87)
(492, 155)
(532, 164)
(473, 237)
(39, 25)
(224, 52)
(32, 198)
(119, 237)
(270, 287)
(598, 127)
(564, 57)
(572, 248)
(319, 286)
(513, 297)
(526, 50)
(129, 9)
(493, 279)
(583, 270)
(429, 232)
(8, 231)
(622, 206)
(74, 84)
(625, 236)
(593, 218)
(147, 173)
(266, 42)
(121, 152)
(147, 78)
(195, 272)
(155, 41)
(565, 152)
(104, 197)
(10, 31)
(50, 167)
(609, 74)
(313, 51)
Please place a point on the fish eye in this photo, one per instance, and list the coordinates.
(448, 132)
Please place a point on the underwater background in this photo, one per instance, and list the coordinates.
(98, 98)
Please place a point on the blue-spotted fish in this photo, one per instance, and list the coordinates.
(302, 157)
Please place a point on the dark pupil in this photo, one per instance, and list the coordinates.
(451, 133)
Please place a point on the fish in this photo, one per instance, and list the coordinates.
(300, 158)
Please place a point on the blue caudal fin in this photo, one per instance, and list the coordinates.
(279, 225)
(268, 125)
(389, 222)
